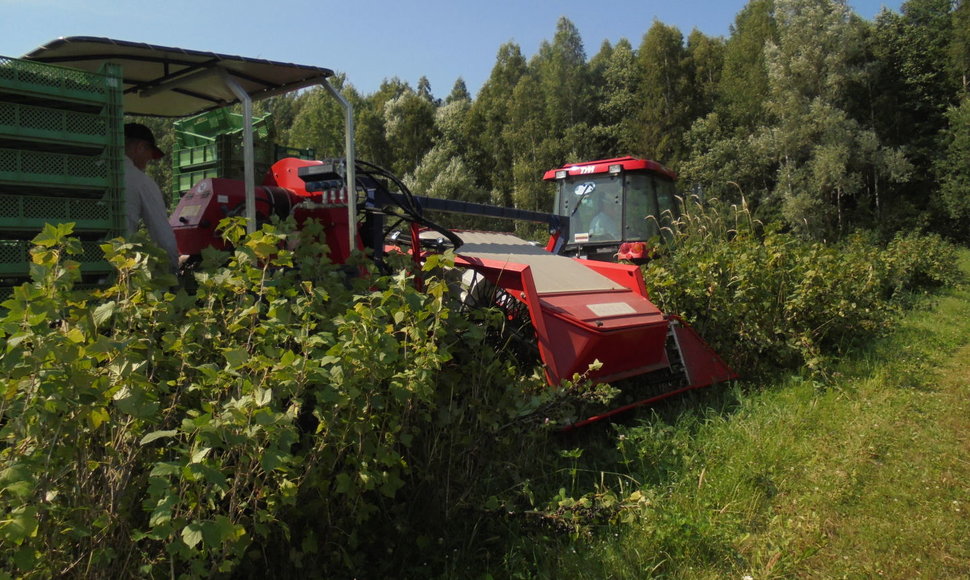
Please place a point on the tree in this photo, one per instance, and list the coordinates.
(533, 143)
(960, 45)
(706, 61)
(452, 118)
(372, 142)
(424, 90)
(664, 93)
(444, 172)
(489, 156)
(319, 121)
(824, 158)
(744, 79)
(911, 92)
(283, 111)
(459, 92)
(617, 101)
(409, 125)
(953, 167)
(561, 70)
(914, 87)
(444, 175)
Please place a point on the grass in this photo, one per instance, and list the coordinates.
(862, 475)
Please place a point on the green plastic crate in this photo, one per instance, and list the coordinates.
(203, 129)
(186, 181)
(24, 213)
(61, 127)
(67, 86)
(25, 168)
(224, 151)
(194, 156)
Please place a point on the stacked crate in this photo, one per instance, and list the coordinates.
(61, 160)
(211, 145)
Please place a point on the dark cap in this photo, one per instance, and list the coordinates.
(143, 133)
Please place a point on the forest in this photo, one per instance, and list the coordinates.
(816, 118)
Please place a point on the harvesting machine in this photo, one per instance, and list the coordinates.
(579, 310)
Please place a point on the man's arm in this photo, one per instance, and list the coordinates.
(155, 216)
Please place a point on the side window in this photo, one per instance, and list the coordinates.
(667, 202)
(641, 204)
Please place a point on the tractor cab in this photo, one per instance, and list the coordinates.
(617, 208)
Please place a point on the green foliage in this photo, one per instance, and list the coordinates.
(768, 300)
(615, 82)
(410, 128)
(149, 432)
(744, 78)
(953, 166)
(317, 119)
(664, 93)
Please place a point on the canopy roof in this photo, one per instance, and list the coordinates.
(173, 82)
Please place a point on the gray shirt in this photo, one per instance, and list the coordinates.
(145, 204)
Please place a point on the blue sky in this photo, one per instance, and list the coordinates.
(369, 40)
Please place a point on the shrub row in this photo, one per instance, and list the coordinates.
(283, 416)
(769, 300)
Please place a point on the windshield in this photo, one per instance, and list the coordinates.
(594, 205)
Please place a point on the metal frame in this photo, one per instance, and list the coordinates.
(155, 77)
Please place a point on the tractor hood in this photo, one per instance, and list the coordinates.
(162, 81)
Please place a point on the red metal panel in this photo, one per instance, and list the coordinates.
(704, 366)
(628, 275)
(199, 211)
(621, 329)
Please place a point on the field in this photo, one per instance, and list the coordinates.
(862, 474)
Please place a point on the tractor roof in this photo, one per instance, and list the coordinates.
(603, 166)
(174, 82)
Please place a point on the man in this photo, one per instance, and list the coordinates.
(603, 226)
(143, 197)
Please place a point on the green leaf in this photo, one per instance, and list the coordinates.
(18, 480)
(286, 359)
(26, 558)
(162, 514)
(192, 534)
(344, 484)
(272, 459)
(219, 531)
(53, 235)
(157, 435)
(201, 454)
(19, 525)
(75, 335)
(236, 357)
(104, 312)
(164, 469)
(98, 416)
(135, 403)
